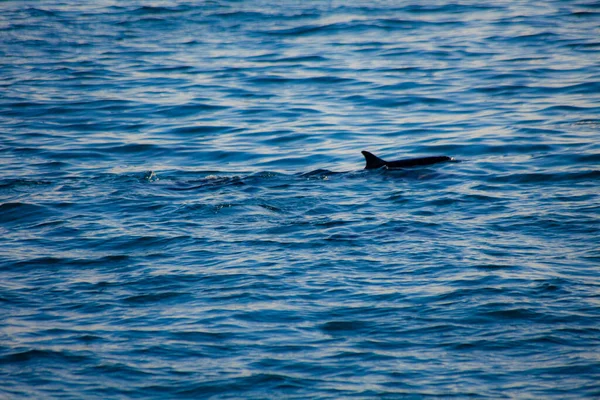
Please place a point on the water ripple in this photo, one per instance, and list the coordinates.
(184, 210)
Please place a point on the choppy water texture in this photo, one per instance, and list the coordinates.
(183, 210)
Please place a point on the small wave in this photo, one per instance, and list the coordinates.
(562, 109)
(202, 129)
(547, 177)
(344, 326)
(512, 314)
(158, 10)
(209, 181)
(154, 297)
(7, 184)
(241, 15)
(307, 81)
(21, 213)
(134, 148)
(40, 12)
(188, 110)
(447, 8)
(36, 355)
(273, 58)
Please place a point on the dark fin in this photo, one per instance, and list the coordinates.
(373, 162)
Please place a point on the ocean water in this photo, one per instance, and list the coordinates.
(184, 211)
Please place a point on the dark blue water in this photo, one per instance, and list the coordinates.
(184, 213)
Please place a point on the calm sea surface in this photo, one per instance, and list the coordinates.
(184, 211)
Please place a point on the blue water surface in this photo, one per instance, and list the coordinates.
(184, 211)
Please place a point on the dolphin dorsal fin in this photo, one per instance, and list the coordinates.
(372, 160)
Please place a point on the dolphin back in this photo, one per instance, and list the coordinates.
(374, 162)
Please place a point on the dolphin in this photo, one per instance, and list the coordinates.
(374, 162)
